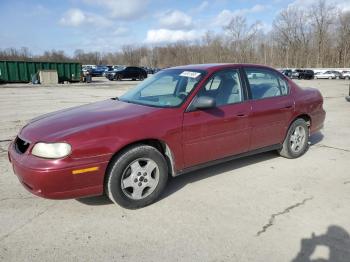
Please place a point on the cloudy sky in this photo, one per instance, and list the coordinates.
(106, 25)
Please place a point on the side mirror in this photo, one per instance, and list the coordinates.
(203, 102)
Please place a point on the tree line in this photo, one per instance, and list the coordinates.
(317, 37)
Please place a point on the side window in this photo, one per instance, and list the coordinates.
(213, 84)
(265, 83)
(225, 87)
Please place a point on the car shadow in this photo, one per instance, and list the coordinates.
(177, 183)
(336, 240)
(316, 138)
(95, 200)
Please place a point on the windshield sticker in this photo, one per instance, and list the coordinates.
(190, 74)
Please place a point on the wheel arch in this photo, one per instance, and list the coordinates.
(160, 145)
(304, 116)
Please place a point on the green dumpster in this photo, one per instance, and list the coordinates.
(23, 71)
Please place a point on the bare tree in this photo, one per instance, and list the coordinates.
(321, 15)
(241, 36)
(292, 34)
(343, 38)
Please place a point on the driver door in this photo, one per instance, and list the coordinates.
(222, 131)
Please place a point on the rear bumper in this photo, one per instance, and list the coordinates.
(57, 182)
(317, 122)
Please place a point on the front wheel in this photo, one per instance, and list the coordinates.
(137, 177)
(296, 141)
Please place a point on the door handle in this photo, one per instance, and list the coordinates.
(286, 107)
(241, 115)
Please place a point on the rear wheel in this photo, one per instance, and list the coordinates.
(118, 77)
(141, 77)
(296, 141)
(137, 177)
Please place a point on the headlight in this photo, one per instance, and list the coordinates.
(51, 150)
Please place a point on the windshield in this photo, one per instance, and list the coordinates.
(168, 88)
(119, 68)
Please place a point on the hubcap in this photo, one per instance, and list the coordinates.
(297, 139)
(140, 178)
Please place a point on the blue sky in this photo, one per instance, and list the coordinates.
(107, 25)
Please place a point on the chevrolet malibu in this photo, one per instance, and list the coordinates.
(179, 120)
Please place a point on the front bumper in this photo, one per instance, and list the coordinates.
(54, 179)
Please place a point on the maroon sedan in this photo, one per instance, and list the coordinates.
(181, 119)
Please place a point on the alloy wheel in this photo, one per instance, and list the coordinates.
(140, 178)
(297, 139)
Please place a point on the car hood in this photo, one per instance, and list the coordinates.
(58, 125)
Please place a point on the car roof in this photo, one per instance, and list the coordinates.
(217, 66)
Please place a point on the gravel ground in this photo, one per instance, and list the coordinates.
(260, 208)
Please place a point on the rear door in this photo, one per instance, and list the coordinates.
(222, 131)
(272, 106)
(128, 72)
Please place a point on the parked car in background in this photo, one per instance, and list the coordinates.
(303, 74)
(149, 70)
(338, 75)
(129, 72)
(87, 68)
(108, 69)
(346, 75)
(98, 70)
(183, 118)
(287, 72)
(325, 75)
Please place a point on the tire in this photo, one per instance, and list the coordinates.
(347, 77)
(315, 77)
(296, 141)
(118, 77)
(330, 77)
(141, 77)
(142, 186)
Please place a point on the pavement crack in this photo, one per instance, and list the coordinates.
(30, 220)
(285, 211)
(333, 147)
(15, 198)
(346, 182)
(5, 140)
(327, 97)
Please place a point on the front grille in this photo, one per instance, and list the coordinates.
(21, 146)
